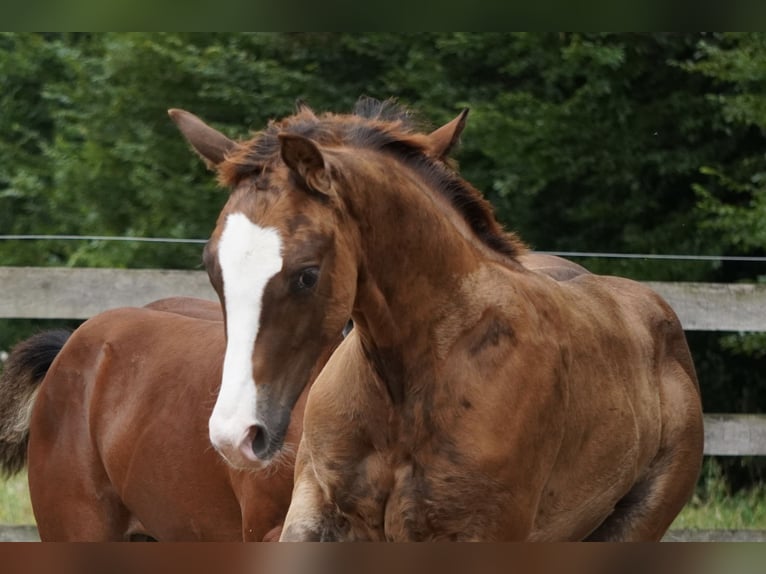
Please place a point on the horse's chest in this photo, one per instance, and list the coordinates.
(393, 500)
(421, 507)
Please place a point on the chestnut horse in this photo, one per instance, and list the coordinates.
(118, 444)
(476, 398)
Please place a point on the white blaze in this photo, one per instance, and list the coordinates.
(249, 256)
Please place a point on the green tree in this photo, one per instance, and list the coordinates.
(27, 63)
(732, 197)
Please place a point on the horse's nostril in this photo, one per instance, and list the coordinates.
(260, 442)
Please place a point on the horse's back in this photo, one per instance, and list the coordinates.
(189, 307)
(120, 430)
(556, 267)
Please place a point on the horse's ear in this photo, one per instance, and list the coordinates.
(442, 140)
(306, 161)
(211, 145)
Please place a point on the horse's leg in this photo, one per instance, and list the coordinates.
(70, 507)
(304, 522)
(310, 518)
(74, 502)
(72, 496)
(648, 509)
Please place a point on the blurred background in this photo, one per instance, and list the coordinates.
(641, 143)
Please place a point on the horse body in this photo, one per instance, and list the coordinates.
(552, 454)
(484, 394)
(507, 405)
(118, 445)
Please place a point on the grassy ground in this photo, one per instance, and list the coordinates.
(712, 508)
(15, 507)
(745, 511)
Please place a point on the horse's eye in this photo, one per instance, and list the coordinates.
(306, 278)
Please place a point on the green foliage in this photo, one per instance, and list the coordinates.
(715, 507)
(587, 148)
(26, 128)
(732, 197)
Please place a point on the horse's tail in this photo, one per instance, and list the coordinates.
(21, 377)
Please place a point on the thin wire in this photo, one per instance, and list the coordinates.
(592, 254)
(674, 257)
(103, 238)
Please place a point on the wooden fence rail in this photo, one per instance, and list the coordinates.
(78, 293)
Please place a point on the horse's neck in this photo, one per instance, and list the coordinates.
(416, 259)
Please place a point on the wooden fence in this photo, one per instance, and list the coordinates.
(67, 293)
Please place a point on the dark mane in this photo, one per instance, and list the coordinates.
(378, 125)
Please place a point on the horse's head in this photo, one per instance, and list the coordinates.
(282, 273)
(284, 259)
